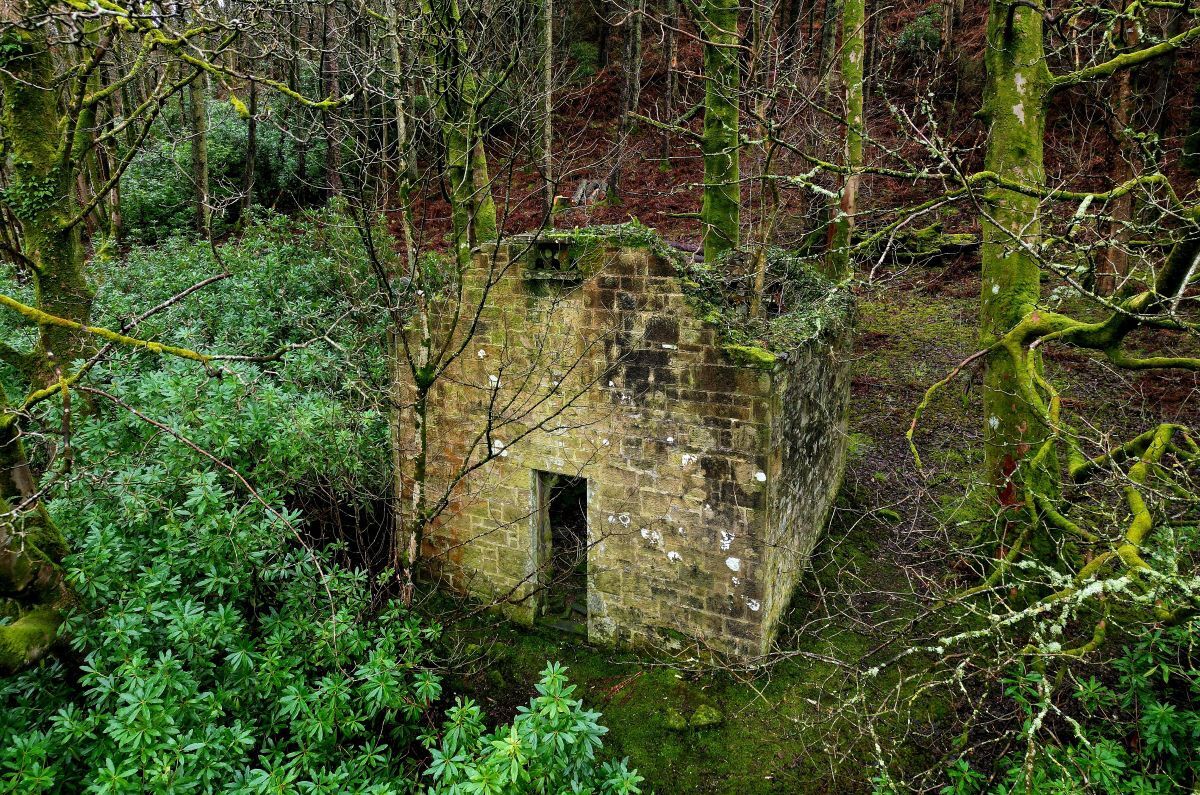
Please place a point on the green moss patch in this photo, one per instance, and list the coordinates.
(751, 355)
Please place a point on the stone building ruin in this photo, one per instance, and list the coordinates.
(648, 484)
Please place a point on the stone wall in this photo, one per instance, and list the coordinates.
(810, 408)
(708, 480)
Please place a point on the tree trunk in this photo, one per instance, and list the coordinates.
(603, 33)
(251, 155)
(720, 213)
(473, 211)
(31, 549)
(198, 109)
(330, 87)
(1190, 159)
(854, 24)
(547, 71)
(43, 200)
(42, 197)
(1015, 97)
(671, 59)
(630, 91)
(404, 168)
(828, 40)
(1114, 264)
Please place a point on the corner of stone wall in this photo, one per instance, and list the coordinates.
(810, 392)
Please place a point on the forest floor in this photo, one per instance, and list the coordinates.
(886, 546)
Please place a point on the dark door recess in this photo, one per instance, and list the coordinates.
(563, 548)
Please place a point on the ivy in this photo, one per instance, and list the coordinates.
(29, 194)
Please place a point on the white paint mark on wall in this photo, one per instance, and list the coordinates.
(726, 540)
(760, 476)
(1019, 112)
(734, 564)
(687, 458)
(753, 604)
(993, 422)
(674, 556)
(624, 519)
(652, 537)
(481, 353)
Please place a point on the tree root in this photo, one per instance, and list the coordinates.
(26, 641)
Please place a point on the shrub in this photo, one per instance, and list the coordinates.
(923, 35)
(1131, 727)
(586, 57)
(551, 746)
(213, 650)
(211, 647)
(157, 194)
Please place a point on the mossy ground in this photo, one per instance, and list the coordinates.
(782, 728)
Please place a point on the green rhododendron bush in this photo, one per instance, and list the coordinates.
(214, 646)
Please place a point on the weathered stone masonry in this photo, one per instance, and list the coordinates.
(709, 481)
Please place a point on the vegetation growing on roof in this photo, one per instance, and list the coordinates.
(632, 234)
(800, 306)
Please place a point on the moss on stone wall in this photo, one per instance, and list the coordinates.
(751, 355)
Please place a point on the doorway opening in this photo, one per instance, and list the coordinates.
(563, 547)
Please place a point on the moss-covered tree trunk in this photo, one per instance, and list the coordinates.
(473, 211)
(42, 196)
(1015, 99)
(854, 47)
(42, 150)
(720, 214)
(32, 588)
